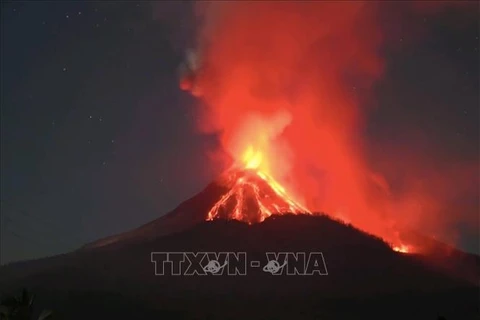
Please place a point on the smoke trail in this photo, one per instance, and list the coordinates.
(301, 59)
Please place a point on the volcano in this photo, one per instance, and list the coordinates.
(246, 211)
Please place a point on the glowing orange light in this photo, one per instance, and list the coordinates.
(252, 159)
(250, 182)
(257, 185)
(402, 248)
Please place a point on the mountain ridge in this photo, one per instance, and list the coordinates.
(360, 266)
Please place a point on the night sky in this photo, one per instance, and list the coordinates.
(97, 138)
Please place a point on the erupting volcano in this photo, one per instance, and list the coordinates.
(252, 196)
(287, 88)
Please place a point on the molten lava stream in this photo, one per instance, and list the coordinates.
(402, 248)
(253, 195)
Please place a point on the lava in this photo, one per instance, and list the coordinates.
(287, 89)
(253, 195)
(402, 248)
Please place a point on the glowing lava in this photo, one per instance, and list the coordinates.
(252, 194)
(402, 248)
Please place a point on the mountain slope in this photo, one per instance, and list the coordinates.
(187, 214)
(245, 195)
(359, 267)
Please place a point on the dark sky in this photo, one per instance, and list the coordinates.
(98, 139)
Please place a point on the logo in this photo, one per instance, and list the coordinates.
(214, 267)
(273, 266)
(238, 264)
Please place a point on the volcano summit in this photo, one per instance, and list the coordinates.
(252, 196)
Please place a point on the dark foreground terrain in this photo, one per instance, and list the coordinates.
(366, 279)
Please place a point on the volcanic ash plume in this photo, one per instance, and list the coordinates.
(277, 82)
(188, 73)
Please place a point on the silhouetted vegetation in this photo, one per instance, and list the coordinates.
(21, 308)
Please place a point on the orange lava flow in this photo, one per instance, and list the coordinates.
(402, 249)
(253, 195)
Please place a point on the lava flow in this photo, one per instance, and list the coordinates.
(252, 194)
(275, 83)
(402, 248)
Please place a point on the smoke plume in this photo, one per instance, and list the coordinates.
(295, 80)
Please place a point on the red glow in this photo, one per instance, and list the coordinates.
(277, 82)
(252, 197)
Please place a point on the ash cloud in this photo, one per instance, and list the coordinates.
(303, 59)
